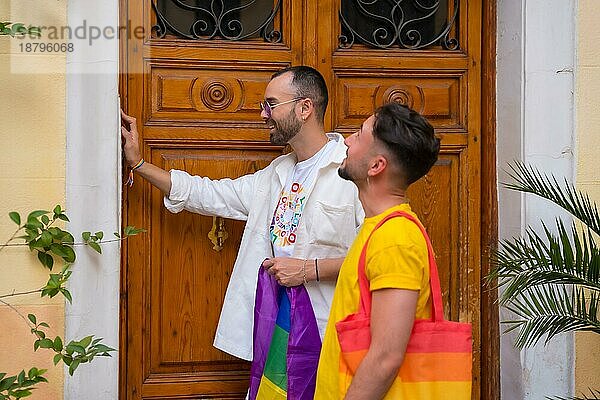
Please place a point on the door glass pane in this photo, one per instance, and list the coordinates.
(407, 24)
(217, 19)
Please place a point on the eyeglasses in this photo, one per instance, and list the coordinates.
(268, 108)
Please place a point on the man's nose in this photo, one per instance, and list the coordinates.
(264, 115)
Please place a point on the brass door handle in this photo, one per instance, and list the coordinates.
(218, 235)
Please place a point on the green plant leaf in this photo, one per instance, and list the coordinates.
(46, 259)
(37, 214)
(67, 295)
(95, 246)
(32, 318)
(132, 231)
(21, 393)
(57, 210)
(33, 223)
(73, 366)
(63, 217)
(46, 343)
(99, 235)
(57, 358)
(86, 236)
(58, 344)
(7, 382)
(15, 217)
(21, 377)
(45, 220)
(45, 239)
(85, 342)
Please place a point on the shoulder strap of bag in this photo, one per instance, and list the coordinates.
(434, 279)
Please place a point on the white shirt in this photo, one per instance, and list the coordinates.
(292, 200)
(329, 223)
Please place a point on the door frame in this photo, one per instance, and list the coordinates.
(490, 339)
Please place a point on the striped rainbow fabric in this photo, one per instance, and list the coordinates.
(273, 384)
(286, 342)
(438, 360)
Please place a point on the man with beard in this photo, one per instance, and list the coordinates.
(301, 219)
(392, 149)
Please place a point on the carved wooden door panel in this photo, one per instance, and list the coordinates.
(194, 81)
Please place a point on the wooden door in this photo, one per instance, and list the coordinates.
(194, 81)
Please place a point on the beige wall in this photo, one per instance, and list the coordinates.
(32, 176)
(588, 150)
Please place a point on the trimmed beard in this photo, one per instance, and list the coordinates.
(343, 173)
(285, 130)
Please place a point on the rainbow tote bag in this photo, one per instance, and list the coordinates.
(438, 359)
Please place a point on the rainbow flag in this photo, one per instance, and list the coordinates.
(286, 342)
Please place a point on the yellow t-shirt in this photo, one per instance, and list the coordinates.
(396, 258)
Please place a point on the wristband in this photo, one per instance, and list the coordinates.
(317, 269)
(304, 272)
(136, 166)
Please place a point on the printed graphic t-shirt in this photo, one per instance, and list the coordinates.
(293, 199)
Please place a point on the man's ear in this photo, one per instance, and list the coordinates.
(377, 165)
(306, 108)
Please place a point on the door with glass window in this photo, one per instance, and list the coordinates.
(194, 81)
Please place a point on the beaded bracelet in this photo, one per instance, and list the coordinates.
(304, 272)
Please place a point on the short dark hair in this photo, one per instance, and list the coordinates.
(309, 83)
(409, 137)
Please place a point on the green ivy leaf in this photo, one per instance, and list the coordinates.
(45, 220)
(32, 318)
(21, 393)
(21, 377)
(63, 217)
(44, 324)
(75, 347)
(67, 295)
(86, 236)
(95, 246)
(57, 358)
(85, 342)
(58, 344)
(58, 249)
(37, 214)
(7, 382)
(68, 238)
(99, 235)
(57, 210)
(16, 217)
(46, 260)
(33, 223)
(73, 366)
(70, 257)
(46, 238)
(46, 343)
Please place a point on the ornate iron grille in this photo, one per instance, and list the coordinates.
(408, 24)
(217, 19)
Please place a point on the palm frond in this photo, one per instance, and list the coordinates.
(595, 395)
(566, 258)
(529, 180)
(547, 310)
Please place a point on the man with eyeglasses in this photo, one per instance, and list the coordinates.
(301, 220)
